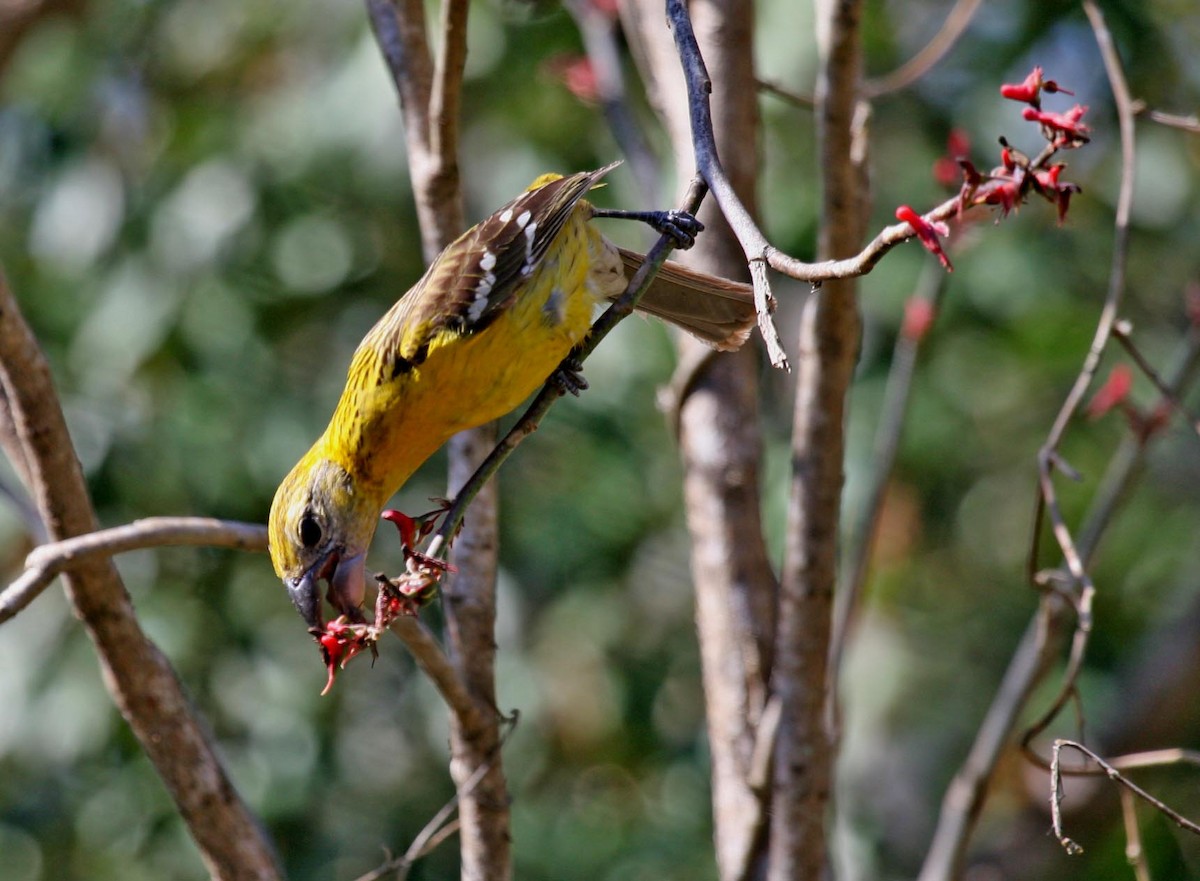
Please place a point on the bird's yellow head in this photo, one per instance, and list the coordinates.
(320, 526)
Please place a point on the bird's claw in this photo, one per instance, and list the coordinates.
(681, 227)
(569, 377)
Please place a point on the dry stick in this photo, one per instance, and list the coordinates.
(916, 67)
(715, 417)
(528, 423)
(952, 29)
(599, 33)
(47, 561)
(930, 288)
(1113, 774)
(140, 679)
(753, 242)
(1048, 456)
(1185, 123)
(1122, 331)
(1135, 854)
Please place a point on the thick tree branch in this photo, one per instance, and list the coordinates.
(829, 339)
(139, 677)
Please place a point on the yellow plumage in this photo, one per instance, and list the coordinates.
(493, 316)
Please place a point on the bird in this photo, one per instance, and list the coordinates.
(491, 319)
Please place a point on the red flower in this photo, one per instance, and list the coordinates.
(1047, 183)
(1031, 88)
(927, 231)
(339, 643)
(918, 318)
(945, 167)
(1007, 192)
(1066, 128)
(1113, 393)
(577, 74)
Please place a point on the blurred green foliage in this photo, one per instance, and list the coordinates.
(203, 205)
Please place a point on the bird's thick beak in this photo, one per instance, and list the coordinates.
(347, 586)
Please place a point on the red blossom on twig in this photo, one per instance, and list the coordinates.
(1030, 90)
(1059, 192)
(927, 231)
(1063, 129)
(1113, 393)
(945, 167)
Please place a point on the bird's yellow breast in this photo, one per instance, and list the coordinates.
(381, 433)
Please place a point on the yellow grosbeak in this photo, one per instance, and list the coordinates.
(490, 320)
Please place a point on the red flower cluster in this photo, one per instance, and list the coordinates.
(1008, 184)
(342, 638)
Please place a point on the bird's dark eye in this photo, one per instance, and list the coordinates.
(310, 531)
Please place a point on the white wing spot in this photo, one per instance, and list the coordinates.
(488, 261)
(481, 299)
(522, 219)
(506, 215)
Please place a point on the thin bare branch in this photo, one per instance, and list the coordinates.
(438, 829)
(964, 798)
(804, 102)
(1190, 124)
(1113, 774)
(1123, 333)
(47, 561)
(753, 242)
(141, 681)
(1047, 503)
(1135, 854)
(934, 51)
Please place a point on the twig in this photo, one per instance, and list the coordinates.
(552, 391)
(753, 242)
(830, 332)
(1032, 657)
(599, 33)
(805, 102)
(1122, 332)
(47, 561)
(1189, 124)
(1135, 854)
(437, 830)
(1047, 499)
(1113, 774)
(916, 67)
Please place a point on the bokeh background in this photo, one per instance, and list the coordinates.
(204, 205)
